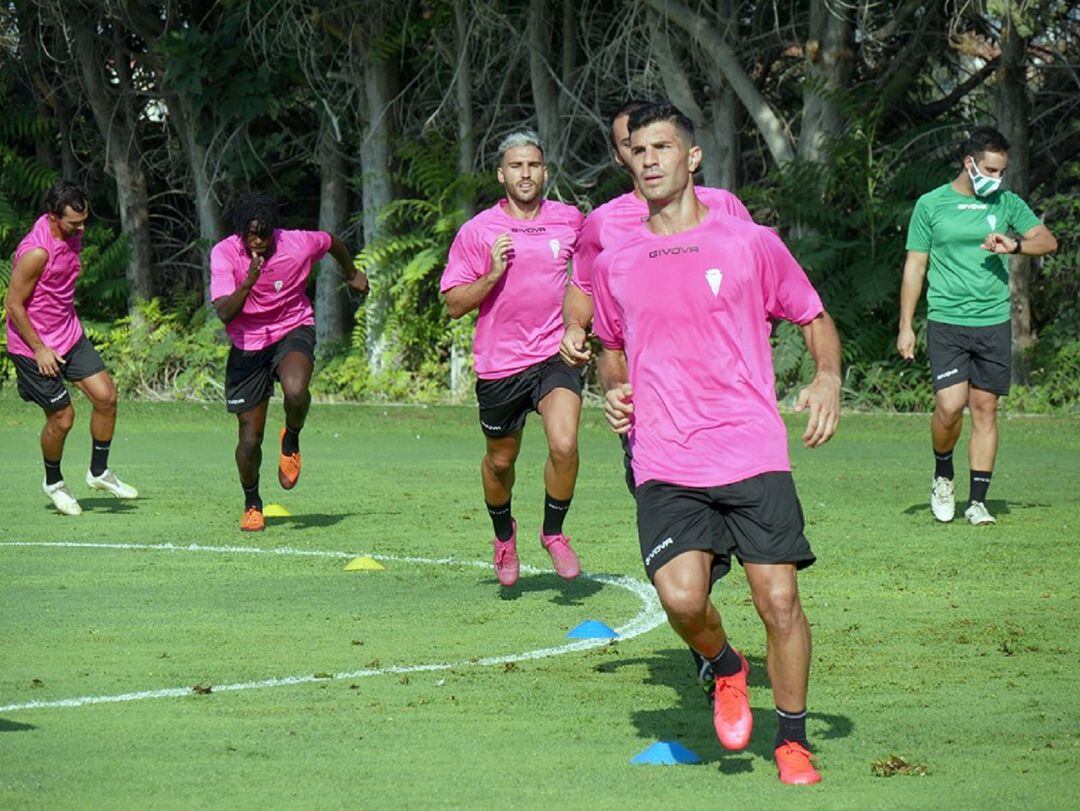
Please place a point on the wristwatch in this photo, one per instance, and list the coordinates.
(1017, 248)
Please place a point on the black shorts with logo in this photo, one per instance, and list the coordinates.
(82, 361)
(506, 402)
(979, 355)
(759, 520)
(250, 373)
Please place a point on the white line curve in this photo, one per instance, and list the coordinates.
(650, 617)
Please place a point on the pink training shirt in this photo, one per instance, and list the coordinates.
(691, 311)
(520, 320)
(51, 305)
(278, 302)
(620, 218)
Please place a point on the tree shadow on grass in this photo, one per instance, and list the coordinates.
(14, 726)
(308, 521)
(689, 720)
(995, 506)
(567, 592)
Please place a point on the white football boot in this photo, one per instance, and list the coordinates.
(61, 498)
(943, 499)
(108, 482)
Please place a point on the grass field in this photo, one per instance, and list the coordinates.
(952, 647)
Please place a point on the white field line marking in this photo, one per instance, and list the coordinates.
(650, 616)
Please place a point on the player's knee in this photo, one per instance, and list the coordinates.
(563, 449)
(499, 463)
(948, 411)
(780, 609)
(106, 404)
(684, 606)
(62, 421)
(984, 412)
(294, 389)
(250, 440)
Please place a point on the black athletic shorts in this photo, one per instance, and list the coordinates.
(979, 355)
(250, 374)
(506, 402)
(759, 520)
(49, 392)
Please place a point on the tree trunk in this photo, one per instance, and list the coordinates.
(544, 92)
(207, 209)
(669, 59)
(124, 158)
(723, 59)
(459, 354)
(569, 53)
(1013, 110)
(331, 297)
(379, 82)
(829, 53)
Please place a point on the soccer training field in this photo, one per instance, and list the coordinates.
(423, 685)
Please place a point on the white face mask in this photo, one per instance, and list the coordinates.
(983, 184)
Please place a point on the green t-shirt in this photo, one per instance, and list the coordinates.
(966, 285)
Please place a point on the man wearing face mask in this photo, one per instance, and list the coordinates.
(258, 284)
(959, 239)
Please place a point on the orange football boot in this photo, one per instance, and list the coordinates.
(793, 763)
(253, 520)
(288, 472)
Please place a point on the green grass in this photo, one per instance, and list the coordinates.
(949, 646)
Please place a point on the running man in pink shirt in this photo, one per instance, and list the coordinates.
(510, 262)
(610, 225)
(683, 310)
(47, 345)
(258, 283)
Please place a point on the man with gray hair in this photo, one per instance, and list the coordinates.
(510, 263)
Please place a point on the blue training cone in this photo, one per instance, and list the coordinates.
(592, 629)
(665, 753)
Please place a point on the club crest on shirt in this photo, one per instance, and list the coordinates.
(714, 276)
(992, 219)
(277, 285)
(554, 245)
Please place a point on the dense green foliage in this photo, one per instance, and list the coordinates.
(219, 99)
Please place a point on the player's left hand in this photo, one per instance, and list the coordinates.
(822, 396)
(998, 243)
(359, 282)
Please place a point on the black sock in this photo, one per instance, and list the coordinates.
(99, 456)
(790, 726)
(290, 442)
(726, 662)
(252, 497)
(980, 483)
(943, 466)
(502, 520)
(52, 472)
(554, 513)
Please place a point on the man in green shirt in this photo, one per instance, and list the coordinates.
(959, 240)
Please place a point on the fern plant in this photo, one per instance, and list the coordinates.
(846, 222)
(405, 263)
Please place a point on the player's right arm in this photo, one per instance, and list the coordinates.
(611, 368)
(618, 405)
(24, 278)
(577, 311)
(910, 291)
(229, 306)
(464, 298)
